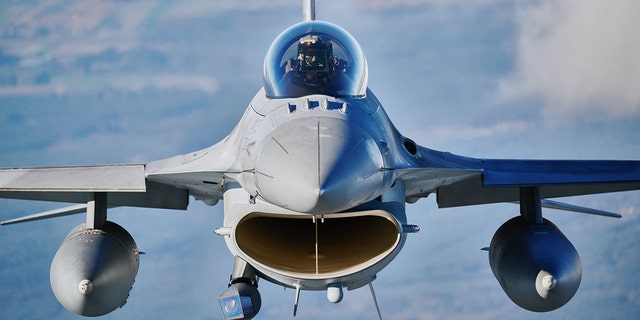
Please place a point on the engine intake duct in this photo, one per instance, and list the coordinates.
(536, 265)
(345, 242)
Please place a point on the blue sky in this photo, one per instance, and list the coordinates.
(92, 82)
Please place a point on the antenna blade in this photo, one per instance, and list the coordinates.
(308, 10)
(295, 302)
(375, 300)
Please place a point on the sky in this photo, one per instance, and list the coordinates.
(98, 82)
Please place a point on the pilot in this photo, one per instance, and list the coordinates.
(310, 60)
(314, 70)
(313, 54)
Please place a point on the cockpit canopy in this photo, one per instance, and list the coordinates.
(315, 57)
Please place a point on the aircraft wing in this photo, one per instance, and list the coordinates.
(462, 181)
(165, 183)
(125, 185)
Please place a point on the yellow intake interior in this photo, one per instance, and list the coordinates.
(288, 242)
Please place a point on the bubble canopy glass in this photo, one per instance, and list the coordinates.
(315, 57)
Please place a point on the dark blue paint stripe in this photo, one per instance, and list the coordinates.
(552, 172)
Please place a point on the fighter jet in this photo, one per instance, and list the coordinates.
(314, 180)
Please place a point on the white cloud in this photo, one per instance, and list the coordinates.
(126, 82)
(385, 4)
(201, 83)
(577, 56)
(471, 132)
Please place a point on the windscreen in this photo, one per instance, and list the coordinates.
(315, 57)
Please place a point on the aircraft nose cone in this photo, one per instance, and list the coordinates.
(318, 165)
